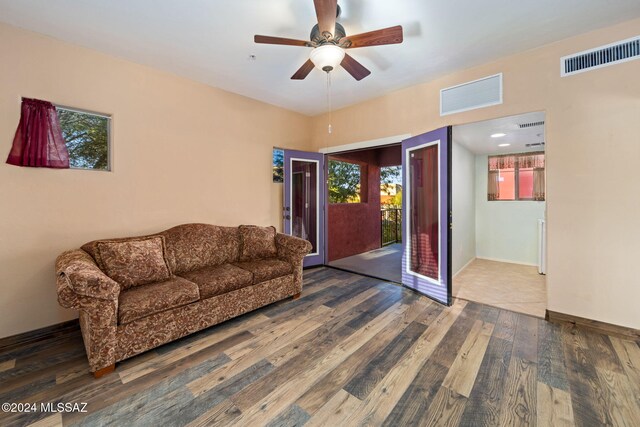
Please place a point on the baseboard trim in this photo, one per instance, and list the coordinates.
(37, 335)
(593, 325)
(507, 261)
(464, 266)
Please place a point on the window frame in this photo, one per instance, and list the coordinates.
(109, 118)
(516, 175)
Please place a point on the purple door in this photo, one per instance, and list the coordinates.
(303, 210)
(426, 206)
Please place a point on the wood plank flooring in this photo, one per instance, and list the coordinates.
(352, 351)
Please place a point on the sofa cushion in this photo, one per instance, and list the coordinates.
(266, 269)
(257, 242)
(134, 262)
(145, 300)
(194, 246)
(219, 279)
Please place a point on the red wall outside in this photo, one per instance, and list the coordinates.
(354, 228)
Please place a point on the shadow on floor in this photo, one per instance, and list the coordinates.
(385, 263)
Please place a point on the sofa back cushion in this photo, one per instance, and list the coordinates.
(134, 262)
(257, 242)
(194, 246)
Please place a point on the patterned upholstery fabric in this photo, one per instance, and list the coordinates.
(150, 332)
(293, 249)
(266, 269)
(194, 246)
(142, 301)
(134, 262)
(257, 242)
(92, 247)
(82, 285)
(219, 279)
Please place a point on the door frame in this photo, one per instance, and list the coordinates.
(317, 258)
(448, 213)
(318, 190)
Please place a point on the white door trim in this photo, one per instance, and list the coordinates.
(396, 139)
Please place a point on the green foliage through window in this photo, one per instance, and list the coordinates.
(87, 139)
(278, 165)
(344, 182)
(390, 175)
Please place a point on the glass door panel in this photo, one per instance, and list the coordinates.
(424, 206)
(304, 201)
(426, 260)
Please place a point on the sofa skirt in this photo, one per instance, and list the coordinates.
(160, 328)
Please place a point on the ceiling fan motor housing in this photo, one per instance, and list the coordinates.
(319, 38)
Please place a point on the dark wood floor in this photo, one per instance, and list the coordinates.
(351, 351)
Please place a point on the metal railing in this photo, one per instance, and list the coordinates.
(391, 221)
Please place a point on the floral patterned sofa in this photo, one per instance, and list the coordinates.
(137, 293)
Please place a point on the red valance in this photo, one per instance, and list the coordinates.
(524, 161)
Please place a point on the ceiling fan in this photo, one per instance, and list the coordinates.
(329, 41)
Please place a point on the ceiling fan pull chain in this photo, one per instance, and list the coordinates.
(330, 128)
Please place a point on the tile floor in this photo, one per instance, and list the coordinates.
(513, 287)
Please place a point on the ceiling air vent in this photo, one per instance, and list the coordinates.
(530, 125)
(603, 56)
(535, 144)
(471, 95)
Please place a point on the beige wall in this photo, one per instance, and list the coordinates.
(593, 148)
(182, 152)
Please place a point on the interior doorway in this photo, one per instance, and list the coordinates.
(364, 211)
(499, 211)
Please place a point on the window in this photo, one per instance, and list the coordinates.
(516, 177)
(278, 165)
(344, 182)
(87, 138)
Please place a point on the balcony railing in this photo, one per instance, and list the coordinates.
(391, 220)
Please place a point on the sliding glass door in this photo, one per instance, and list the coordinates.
(426, 259)
(303, 209)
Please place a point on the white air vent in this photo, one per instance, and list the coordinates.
(530, 125)
(535, 144)
(471, 95)
(603, 56)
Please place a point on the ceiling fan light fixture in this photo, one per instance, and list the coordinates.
(327, 57)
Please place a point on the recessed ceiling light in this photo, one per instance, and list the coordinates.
(503, 145)
(498, 135)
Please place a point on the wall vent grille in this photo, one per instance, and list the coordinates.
(535, 144)
(471, 95)
(530, 125)
(603, 56)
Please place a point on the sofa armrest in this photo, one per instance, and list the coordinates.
(80, 279)
(83, 286)
(292, 249)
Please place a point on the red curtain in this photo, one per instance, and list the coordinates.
(38, 141)
(424, 208)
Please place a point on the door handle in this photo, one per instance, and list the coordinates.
(287, 217)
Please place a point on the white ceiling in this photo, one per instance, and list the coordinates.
(476, 137)
(210, 40)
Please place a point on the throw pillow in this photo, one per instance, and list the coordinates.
(257, 242)
(134, 262)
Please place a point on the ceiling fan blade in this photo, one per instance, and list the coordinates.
(279, 40)
(353, 67)
(391, 35)
(326, 11)
(304, 71)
